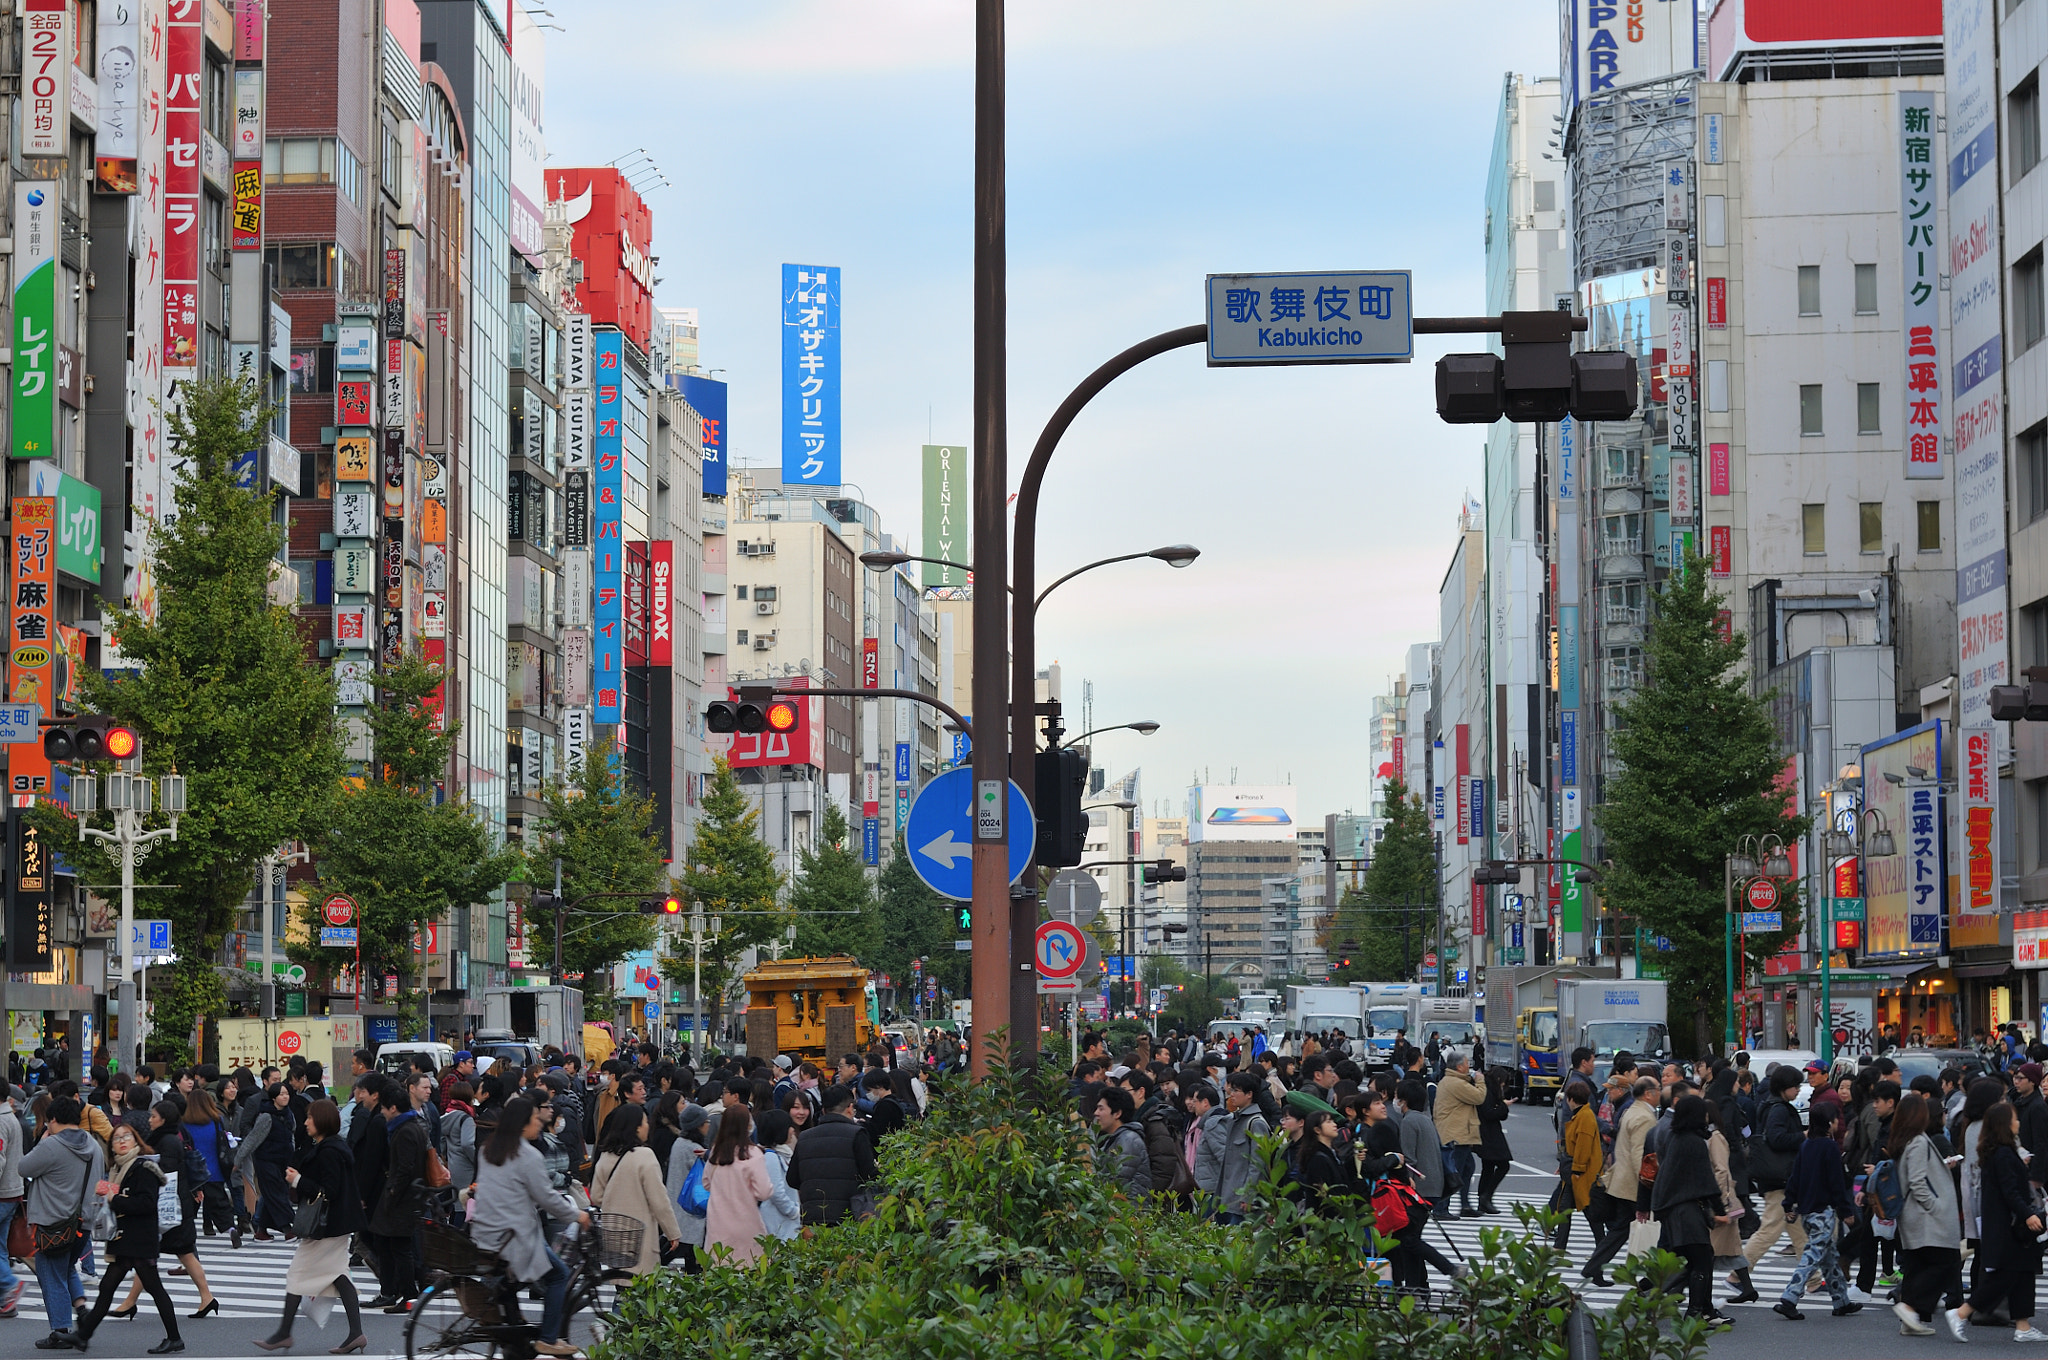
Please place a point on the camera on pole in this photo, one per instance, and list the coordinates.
(1536, 377)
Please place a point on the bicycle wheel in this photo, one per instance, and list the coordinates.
(584, 1318)
(441, 1325)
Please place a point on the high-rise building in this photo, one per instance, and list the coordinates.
(1238, 837)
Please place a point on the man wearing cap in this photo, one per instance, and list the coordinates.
(463, 1070)
(785, 1079)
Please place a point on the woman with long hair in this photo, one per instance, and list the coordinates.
(1726, 1239)
(626, 1183)
(208, 1134)
(737, 1180)
(1376, 1156)
(130, 1189)
(1978, 1099)
(1687, 1201)
(1930, 1224)
(511, 1189)
(167, 1137)
(323, 1172)
(1494, 1155)
(269, 1157)
(665, 1127)
(2008, 1229)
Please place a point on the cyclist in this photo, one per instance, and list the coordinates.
(511, 1186)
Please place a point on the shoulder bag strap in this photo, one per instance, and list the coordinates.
(84, 1184)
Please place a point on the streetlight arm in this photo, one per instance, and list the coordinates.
(1107, 561)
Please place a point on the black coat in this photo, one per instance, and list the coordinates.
(402, 1197)
(1316, 1174)
(2005, 1201)
(2033, 1114)
(368, 1141)
(1493, 1133)
(834, 1158)
(169, 1145)
(329, 1168)
(134, 1206)
(883, 1119)
(1687, 1195)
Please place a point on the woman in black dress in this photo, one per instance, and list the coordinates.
(2008, 1245)
(1687, 1201)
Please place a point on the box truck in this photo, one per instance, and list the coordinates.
(1522, 1026)
(1317, 1010)
(539, 1015)
(1613, 1015)
(256, 1044)
(1390, 1010)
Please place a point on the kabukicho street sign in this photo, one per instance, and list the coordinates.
(939, 832)
(1341, 317)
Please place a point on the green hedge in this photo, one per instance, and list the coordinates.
(999, 1241)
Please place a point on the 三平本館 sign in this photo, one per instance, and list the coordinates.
(1352, 317)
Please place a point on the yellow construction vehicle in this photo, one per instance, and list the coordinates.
(810, 1008)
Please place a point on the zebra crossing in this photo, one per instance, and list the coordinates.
(248, 1282)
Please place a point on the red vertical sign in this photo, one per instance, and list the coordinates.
(1717, 304)
(661, 610)
(1721, 549)
(636, 604)
(870, 663)
(1717, 469)
(1464, 758)
(31, 665)
(184, 70)
(1478, 911)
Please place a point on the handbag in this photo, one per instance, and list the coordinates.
(1647, 1173)
(21, 1239)
(865, 1203)
(309, 1218)
(436, 1174)
(1643, 1237)
(63, 1237)
(170, 1210)
(1183, 1178)
(695, 1197)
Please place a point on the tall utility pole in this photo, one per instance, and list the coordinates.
(995, 727)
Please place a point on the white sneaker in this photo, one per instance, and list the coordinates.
(1906, 1314)
(1915, 1329)
(1858, 1296)
(1958, 1326)
(2031, 1334)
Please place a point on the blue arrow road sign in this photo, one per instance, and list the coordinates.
(940, 834)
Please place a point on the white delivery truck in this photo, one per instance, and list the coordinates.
(1449, 1019)
(256, 1044)
(1613, 1015)
(1317, 1010)
(540, 1016)
(1390, 1011)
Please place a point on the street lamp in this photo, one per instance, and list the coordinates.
(128, 798)
(1840, 843)
(1741, 864)
(1143, 728)
(698, 923)
(1173, 554)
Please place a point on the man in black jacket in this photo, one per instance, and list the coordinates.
(2033, 1113)
(1772, 1149)
(1162, 1129)
(833, 1159)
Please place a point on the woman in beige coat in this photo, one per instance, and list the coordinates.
(627, 1183)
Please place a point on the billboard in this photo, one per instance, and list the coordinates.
(115, 145)
(1920, 251)
(945, 514)
(35, 310)
(1740, 27)
(1905, 893)
(183, 135)
(613, 235)
(1977, 405)
(810, 375)
(609, 645)
(529, 148)
(707, 397)
(46, 78)
(1607, 45)
(1241, 812)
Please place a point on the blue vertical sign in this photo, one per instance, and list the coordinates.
(1568, 656)
(608, 552)
(810, 375)
(1568, 747)
(871, 840)
(1926, 883)
(903, 762)
(1476, 809)
(707, 398)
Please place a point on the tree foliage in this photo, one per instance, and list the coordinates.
(1384, 926)
(405, 854)
(917, 923)
(729, 872)
(605, 837)
(218, 687)
(1700, 770)
(831, 879)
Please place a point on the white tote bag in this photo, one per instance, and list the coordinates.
(1642, 1237)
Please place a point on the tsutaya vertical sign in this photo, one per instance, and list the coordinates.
(1980, 821)
(810, 374)
(46, 78)
(35, 319)
(182, 138)
(1919, 216)
(945, 514)
(608, 647)
(1977, 403)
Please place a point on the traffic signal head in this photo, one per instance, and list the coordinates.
(1536, 377)
(90, 739)
(661, 906)
(1497, 871)
(754, 712)
(966, 918)
(1164, 871)
(671, 906)
(1062, 826)
(2020, 703)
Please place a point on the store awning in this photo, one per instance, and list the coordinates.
(1983, 970)
(1878, 974)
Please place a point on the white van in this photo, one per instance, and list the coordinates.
(394, 1058)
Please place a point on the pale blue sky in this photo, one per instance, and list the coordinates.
(1151, 143)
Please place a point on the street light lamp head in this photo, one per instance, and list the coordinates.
(1916, 772)
(1841, 843)
(1144, 729)
(1742, 864)
(1881, 843)
(880, 560)
(1778, 864)
(1176, 554)
(1891, 778)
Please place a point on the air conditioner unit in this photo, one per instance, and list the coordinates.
(762, 644)
(765, 607)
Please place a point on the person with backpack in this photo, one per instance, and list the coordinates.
(1817, 1191)
(1868, 1137)
(1773, 1147)
(1921, 1195)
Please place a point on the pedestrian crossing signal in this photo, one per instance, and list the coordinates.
(966, 918)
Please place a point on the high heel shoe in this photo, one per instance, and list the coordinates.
(274, 1343)
(127, 1312)
(211, 1306)
(354, 1343)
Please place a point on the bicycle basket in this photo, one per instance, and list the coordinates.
(450, 1251)
(615, 1242)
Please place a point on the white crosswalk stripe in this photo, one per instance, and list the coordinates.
(249, 1282)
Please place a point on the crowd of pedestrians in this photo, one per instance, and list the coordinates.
(1925, 1194)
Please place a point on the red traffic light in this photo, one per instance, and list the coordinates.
(120, 743)
(90, 739)
(672, 906)
(782, 716)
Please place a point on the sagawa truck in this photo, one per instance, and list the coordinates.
(1613, 1015)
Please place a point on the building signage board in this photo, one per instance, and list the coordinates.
(945, 515)
(1978, 747)
(1349, 317)
(707, 397)
(1920, 247)
(183, 136)
(32, 635)
(661, 612)
(78, 519)
(1976, 400)
(46, 78)
(35, 319)
(115, 144)
(1611, 44)
(810, 375)
(609, 553)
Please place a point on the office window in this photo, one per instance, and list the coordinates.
(1813, 530)
(1866, 290)
(765, 593)
(2029, 315)
(1870, 526)
(1928, 516)
(1867, 414)
(739, 592)
(302, 266)
(2034, 634)
(1809, 408)
(1809, 290)
(2023, 126)
(2031, 455)
(1713, 220)
(740, 638)
(1717, 384)
(2037, 790)
(1546, 195)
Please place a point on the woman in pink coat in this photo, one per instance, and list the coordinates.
(737, 1180)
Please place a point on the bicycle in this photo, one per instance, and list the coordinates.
(470, 1307)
